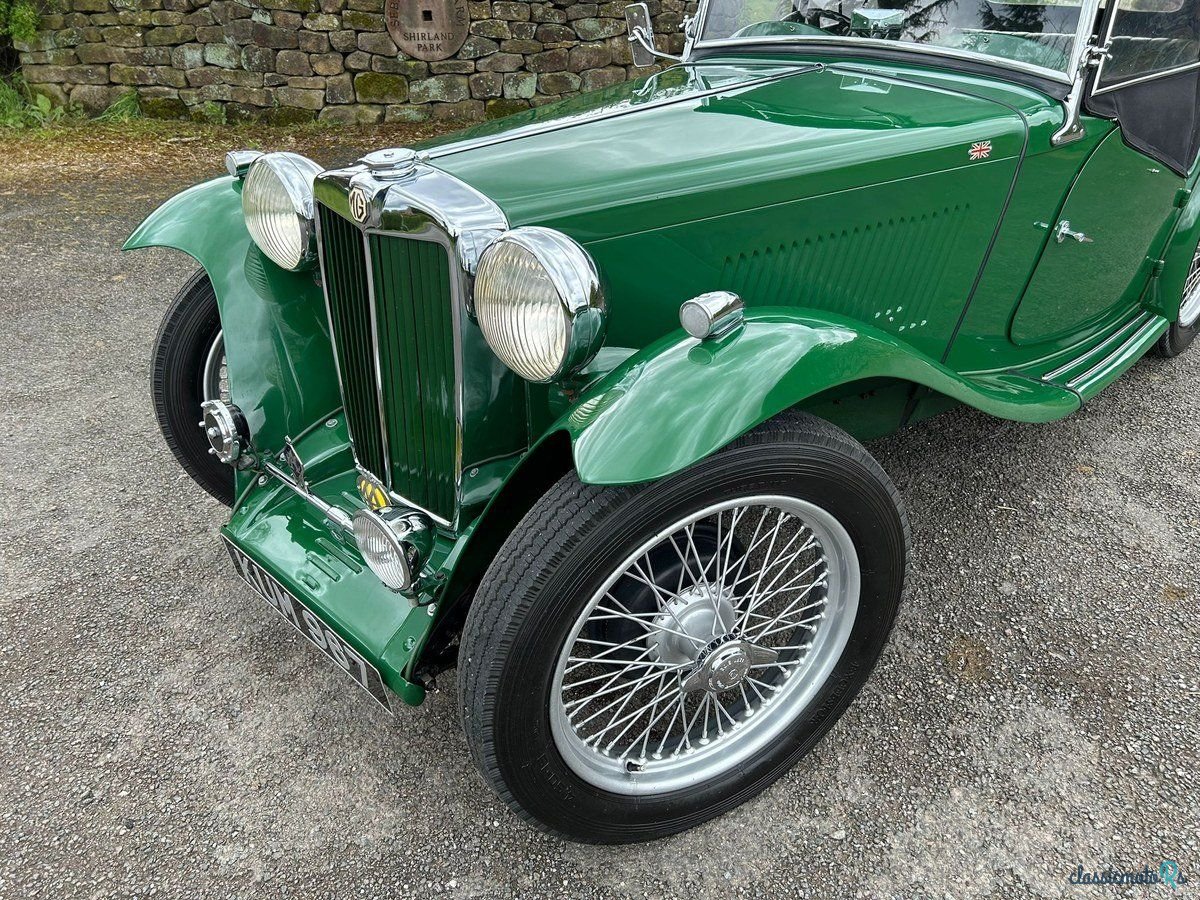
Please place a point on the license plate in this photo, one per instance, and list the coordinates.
(309, 624)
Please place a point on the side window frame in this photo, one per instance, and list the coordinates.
(1109, 16)
(1158, 113)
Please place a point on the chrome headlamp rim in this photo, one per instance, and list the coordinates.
(409, 536)
(295, 174)
(576, 280)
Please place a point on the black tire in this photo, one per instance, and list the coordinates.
(1175, 341)
(188, 331)
(1178, 337)
(565, 547)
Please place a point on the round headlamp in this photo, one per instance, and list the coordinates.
(277, 200)
(539, 303)
(395, 544)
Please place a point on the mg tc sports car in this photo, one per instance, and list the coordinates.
(573, 401)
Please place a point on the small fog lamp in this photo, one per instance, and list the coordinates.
(395, 544)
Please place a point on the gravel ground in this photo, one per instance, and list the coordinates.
(164, 734)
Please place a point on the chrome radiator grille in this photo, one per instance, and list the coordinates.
(396, 361)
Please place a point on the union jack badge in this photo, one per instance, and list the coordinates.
(980, 150)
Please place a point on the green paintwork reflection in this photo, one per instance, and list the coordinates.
(812, 133)
(276, 332)
(1167, 295)
(1081, 284)
(681, 399)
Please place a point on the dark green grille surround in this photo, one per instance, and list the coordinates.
(411, 281)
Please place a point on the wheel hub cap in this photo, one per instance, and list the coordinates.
(690, 621)
(725, 663)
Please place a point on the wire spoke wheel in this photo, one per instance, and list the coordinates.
(1189, 311)
(215, 384)
(704, 644)
(641, 658)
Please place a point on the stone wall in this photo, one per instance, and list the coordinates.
(290, 61)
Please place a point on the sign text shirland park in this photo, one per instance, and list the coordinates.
(428, 29)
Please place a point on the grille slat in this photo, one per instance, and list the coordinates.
(413, 366)
(413, 326)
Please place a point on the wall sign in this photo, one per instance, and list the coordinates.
(428, 29)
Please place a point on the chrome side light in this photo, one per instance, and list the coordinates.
(277, 201)
(539, 303)
(237, 162)
(394, 543)
(712, 315)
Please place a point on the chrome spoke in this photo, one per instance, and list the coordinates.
(689, 649)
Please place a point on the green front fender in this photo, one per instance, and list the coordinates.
(282, 374)
(677, 401)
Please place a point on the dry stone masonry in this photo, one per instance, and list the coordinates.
(290, 61)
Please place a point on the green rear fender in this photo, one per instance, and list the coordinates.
(276, 332)
(679, 400)
(1167, 293)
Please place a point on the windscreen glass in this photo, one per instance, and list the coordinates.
(1040, 34)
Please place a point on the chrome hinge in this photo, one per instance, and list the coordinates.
(1072, 128)
(1094, 54)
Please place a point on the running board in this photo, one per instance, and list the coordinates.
(1103, 364)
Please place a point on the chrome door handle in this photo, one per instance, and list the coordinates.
(1063, 231)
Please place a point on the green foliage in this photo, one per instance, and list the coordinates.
(20, 108)
(124, 109)
(213, 113)
(42, 112)
(18, 20)
(12, 106)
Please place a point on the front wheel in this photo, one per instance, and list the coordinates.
(641, 659)
(188, 368)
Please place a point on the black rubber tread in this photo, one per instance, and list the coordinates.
(1175, 340)
(181, 346)
(546, 538)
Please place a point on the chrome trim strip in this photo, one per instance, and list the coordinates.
(1117, 337)
(337, 364)
(1141, 79)
(601, 115)
(879, 44)
(1081, 379)
(332, 513)
(386, 475)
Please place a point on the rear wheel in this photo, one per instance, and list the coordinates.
(1181, 334)
(641, 659)
(188, 368)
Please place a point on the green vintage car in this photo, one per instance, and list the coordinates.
(573, 401)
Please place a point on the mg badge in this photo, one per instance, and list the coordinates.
(360, 206)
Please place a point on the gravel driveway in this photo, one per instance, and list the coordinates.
(164, 734)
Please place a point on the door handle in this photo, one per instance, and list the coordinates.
(1063, 231)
